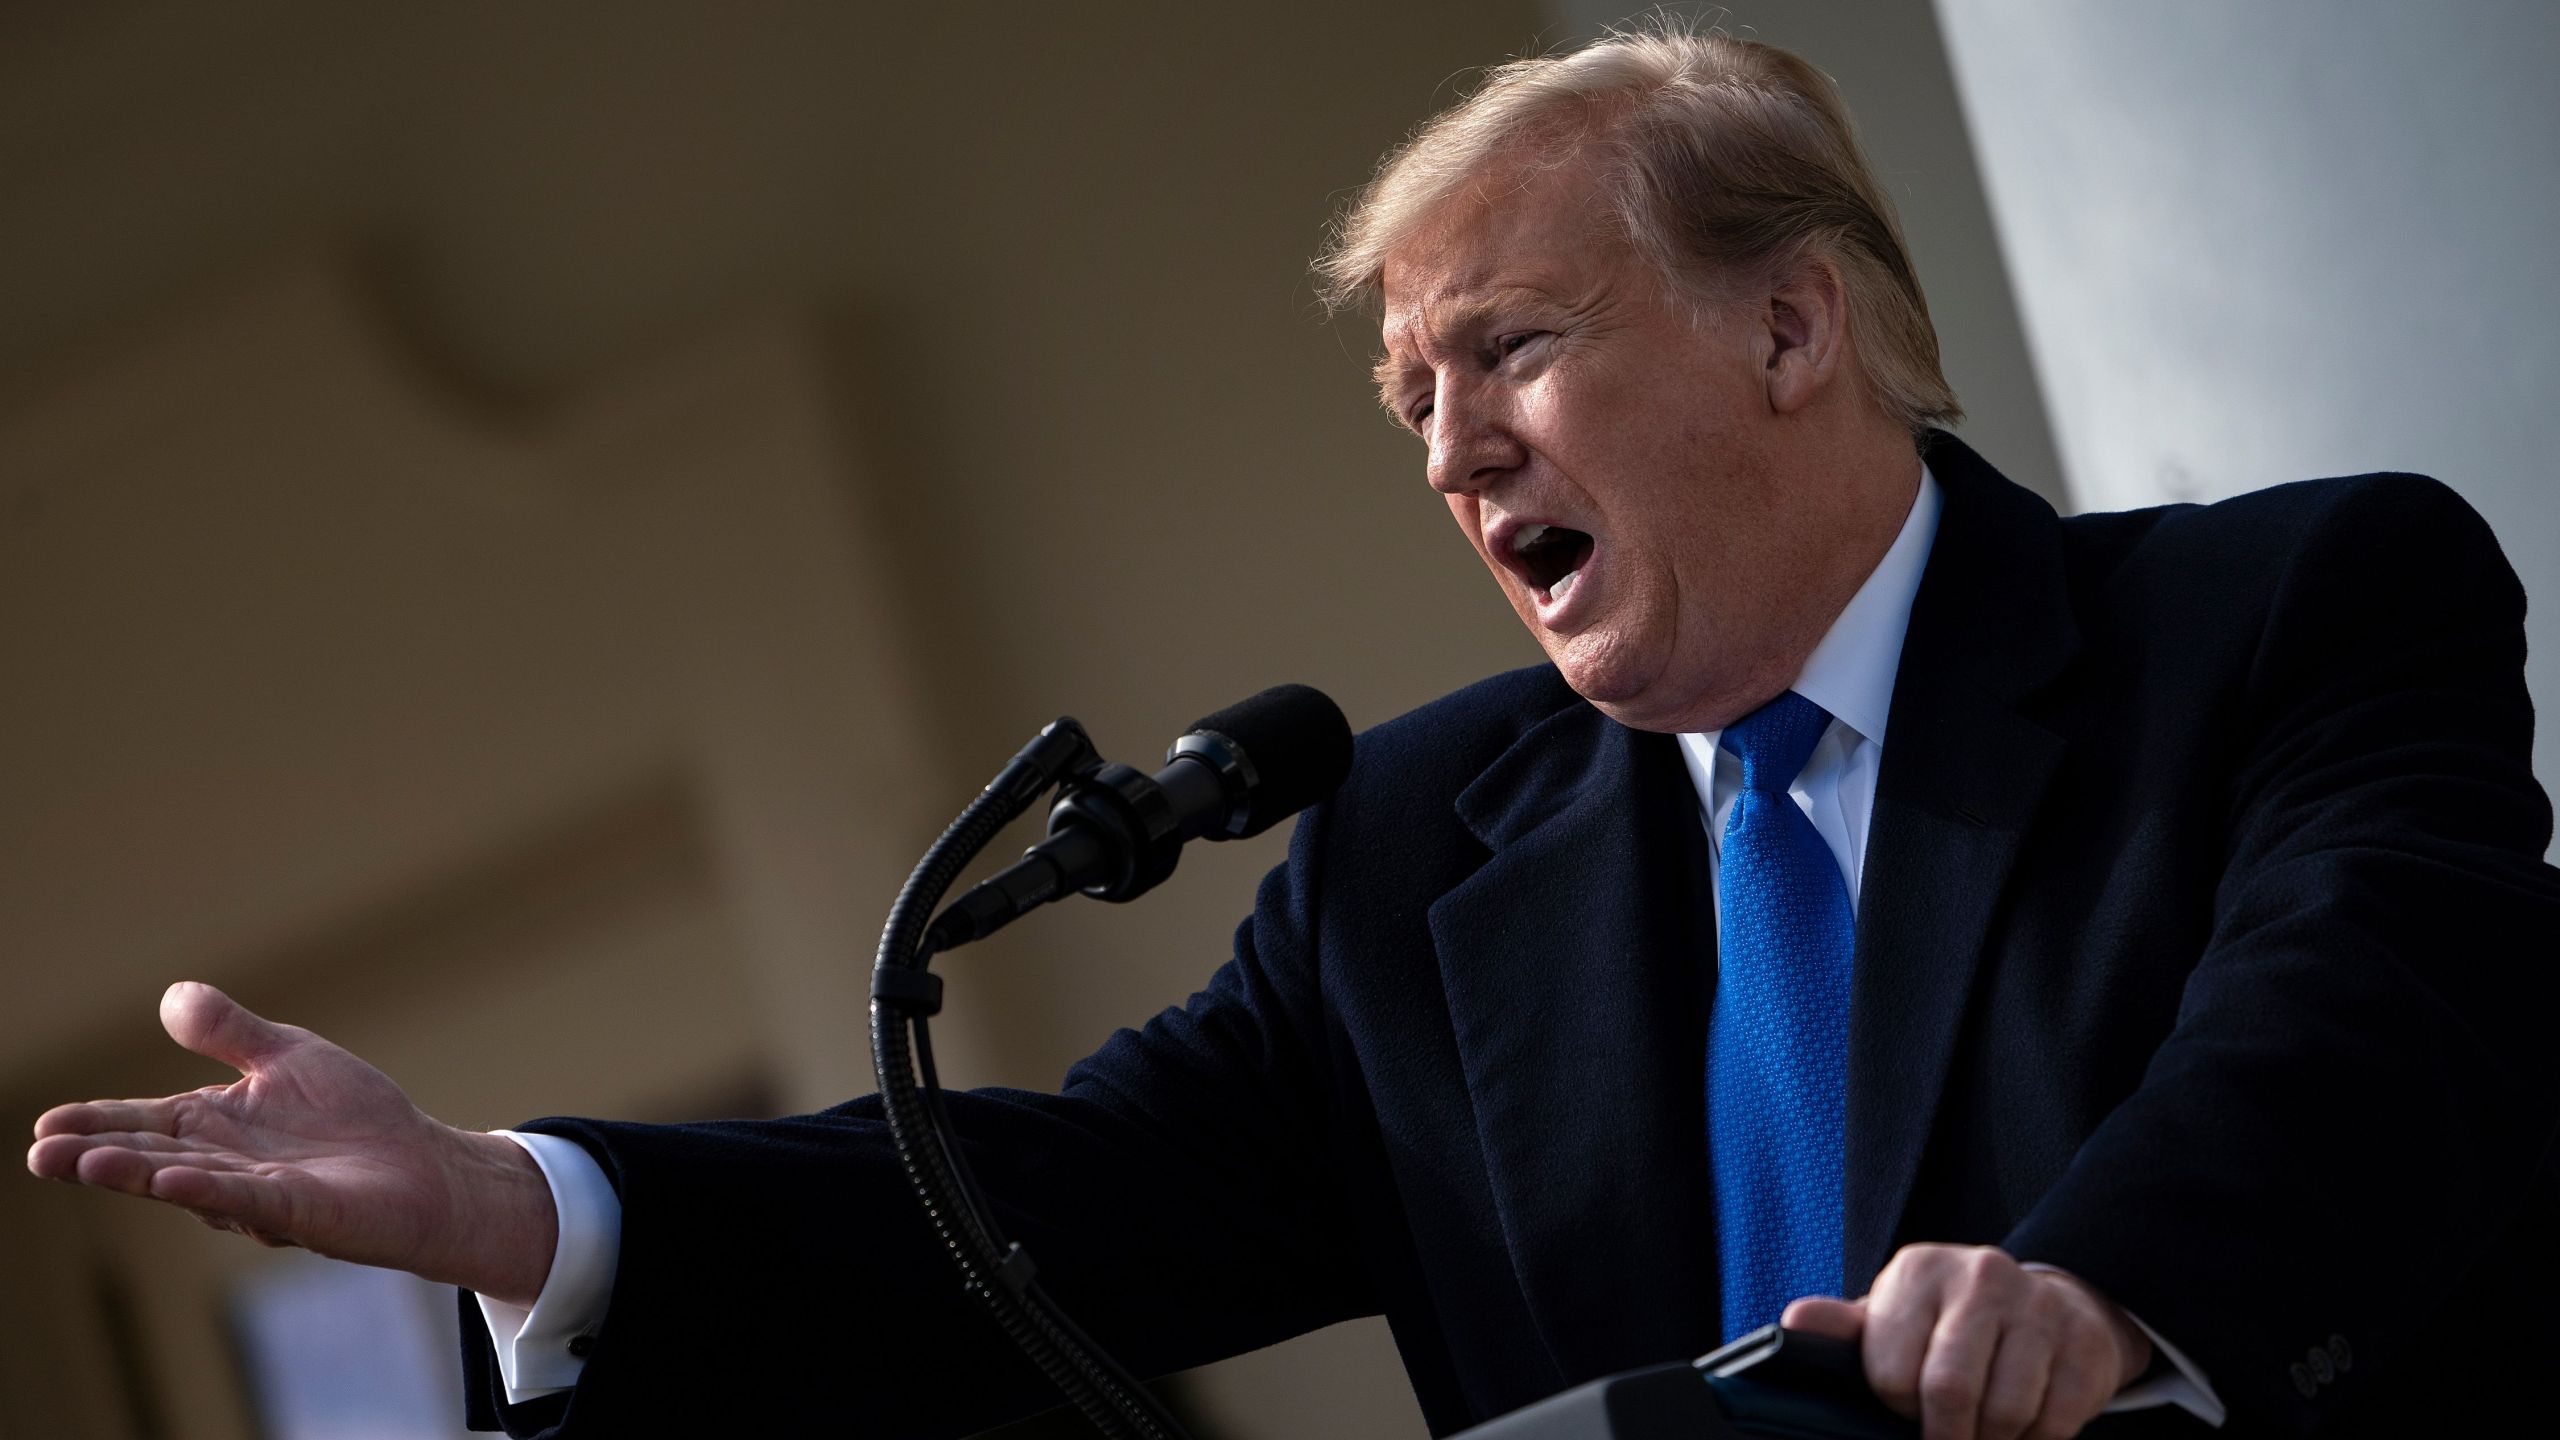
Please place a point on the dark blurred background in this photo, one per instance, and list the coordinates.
(518, 523)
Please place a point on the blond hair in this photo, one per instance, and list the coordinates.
(1723, 161)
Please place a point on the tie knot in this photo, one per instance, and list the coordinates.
(1774, 741)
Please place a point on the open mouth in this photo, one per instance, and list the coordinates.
(1549, 557)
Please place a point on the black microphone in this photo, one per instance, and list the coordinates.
(1116, 833)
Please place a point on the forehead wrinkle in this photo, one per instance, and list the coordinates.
(1452, 317)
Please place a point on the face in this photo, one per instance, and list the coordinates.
(1608, 455)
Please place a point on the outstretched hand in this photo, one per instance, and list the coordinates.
(312, 1147)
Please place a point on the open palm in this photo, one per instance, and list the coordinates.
(313, 1147)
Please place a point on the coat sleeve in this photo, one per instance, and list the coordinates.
(1177, 1197)
(2359, 1091)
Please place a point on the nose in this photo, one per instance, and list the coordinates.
(1472, 443)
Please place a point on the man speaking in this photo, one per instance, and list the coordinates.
(2098, 963)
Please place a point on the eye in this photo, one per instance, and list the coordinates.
(1513, 344)
(1421, 413)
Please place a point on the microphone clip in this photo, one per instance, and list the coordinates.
(1136, 834)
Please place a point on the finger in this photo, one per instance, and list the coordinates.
(2072, 1400)
(2013, 1395)
(51, 1157)
(256, 1205)
(1956, 1370)
(96, 1116)
(218, 1027)
(64, 1157)
(2082, 1384)
(1823, 1315)
(1901, 1312)
(56, 1156)
(120, 1168)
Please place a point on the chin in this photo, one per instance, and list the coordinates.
(1636, 689)
(1620, 685)
(1640, 716)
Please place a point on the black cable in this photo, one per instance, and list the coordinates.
(903, 993)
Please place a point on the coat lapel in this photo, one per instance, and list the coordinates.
(1575, 961)
(1964, 771)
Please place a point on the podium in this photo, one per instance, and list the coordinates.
(1771, 1383)
(1678, 1402)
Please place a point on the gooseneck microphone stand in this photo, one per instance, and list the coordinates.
(904, 992)
(1113, 835)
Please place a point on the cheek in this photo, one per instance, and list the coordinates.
(1604, 437)
(1470, 518)
(1569, 419)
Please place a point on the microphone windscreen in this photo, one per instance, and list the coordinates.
(1295, 741)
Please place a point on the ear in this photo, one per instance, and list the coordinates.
(1806, 325)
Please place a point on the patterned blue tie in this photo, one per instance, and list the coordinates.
(1778, 1039)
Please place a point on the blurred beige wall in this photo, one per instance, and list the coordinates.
(517, 525)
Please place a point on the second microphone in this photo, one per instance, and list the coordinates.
(1117, 832)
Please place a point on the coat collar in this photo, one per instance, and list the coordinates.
(1579, 958)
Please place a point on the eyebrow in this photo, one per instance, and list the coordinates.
(1462, 319)
(1389, 372)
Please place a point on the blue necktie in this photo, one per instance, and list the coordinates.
(1778, 1038)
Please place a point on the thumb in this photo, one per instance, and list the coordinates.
(218, 1027)
(1822, 1315)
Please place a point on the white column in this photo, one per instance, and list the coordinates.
(2258, 243)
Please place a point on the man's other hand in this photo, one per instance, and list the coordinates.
(1977, 1347)
(312, 1147)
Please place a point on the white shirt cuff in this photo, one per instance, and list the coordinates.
(2183, 1385)
(541, 1351)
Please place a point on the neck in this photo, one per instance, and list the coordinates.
(1869, 487)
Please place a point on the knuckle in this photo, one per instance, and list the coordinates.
(1968, 1273)
(1966, 1304)
(2051, 1309)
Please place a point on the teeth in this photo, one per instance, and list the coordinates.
(1527, 537)
(1556, 592)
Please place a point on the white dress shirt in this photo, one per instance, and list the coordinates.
(1850, 674)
